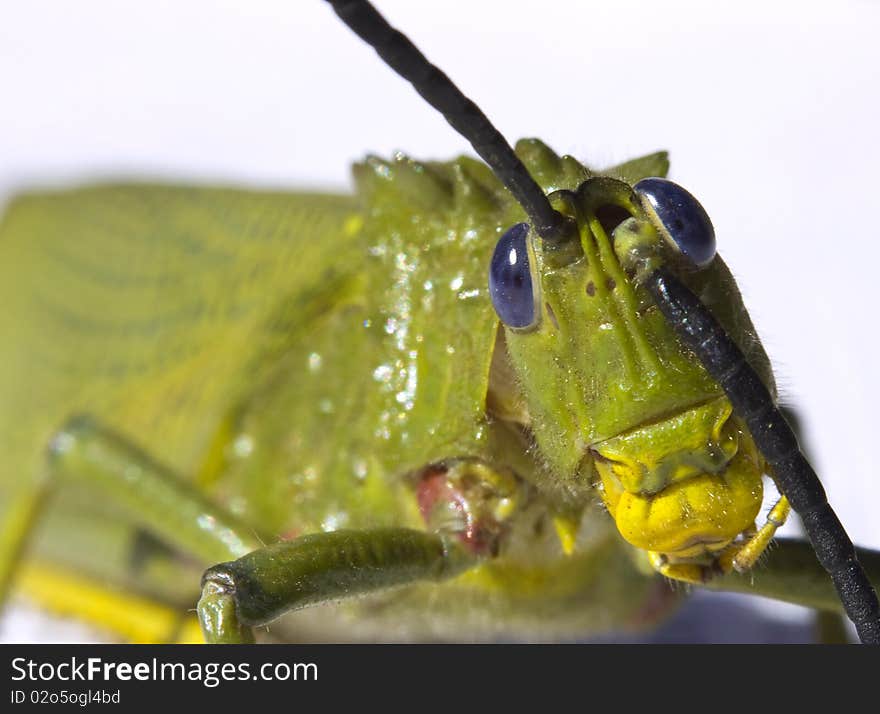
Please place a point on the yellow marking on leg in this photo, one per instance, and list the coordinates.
(746, 557)
(692, 573)
(567, 527)
(133, 617)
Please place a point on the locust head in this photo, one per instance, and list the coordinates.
(614, 401)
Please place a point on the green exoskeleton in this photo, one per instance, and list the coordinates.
(317, 396)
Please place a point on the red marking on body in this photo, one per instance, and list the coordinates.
(433, 487)
(435, 490)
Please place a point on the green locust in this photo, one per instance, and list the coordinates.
(319, 392)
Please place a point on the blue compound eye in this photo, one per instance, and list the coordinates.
(680, 217)
(510, 279)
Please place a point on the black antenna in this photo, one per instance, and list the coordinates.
(752, 402)
(465, 117)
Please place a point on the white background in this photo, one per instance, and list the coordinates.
(770, 111)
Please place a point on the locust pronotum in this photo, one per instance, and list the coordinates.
(587, 123)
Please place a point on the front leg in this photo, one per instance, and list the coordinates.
(466, 504)
(320, 567)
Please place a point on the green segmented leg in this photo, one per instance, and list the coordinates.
(153, 496)
(122, 475)
(268, 582)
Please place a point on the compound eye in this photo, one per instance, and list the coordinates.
(680, 217)
(510, 279)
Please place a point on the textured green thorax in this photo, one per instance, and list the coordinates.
(429, 232)
(386, 363)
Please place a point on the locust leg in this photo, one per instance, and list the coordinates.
(465, 503)
(124, 477)
(321, 567)
(743, 557)
(151, 494)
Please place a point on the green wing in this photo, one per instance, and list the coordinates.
(140, 304)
